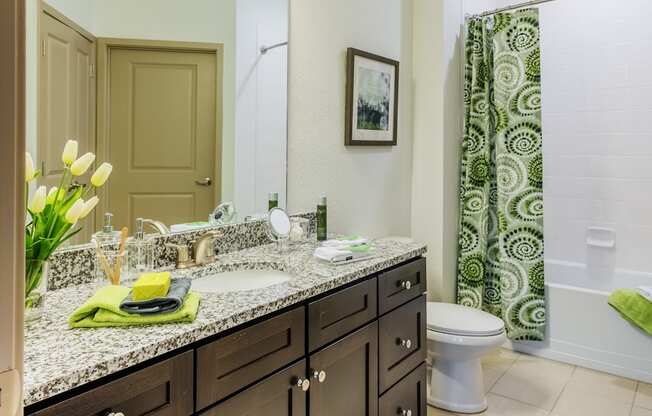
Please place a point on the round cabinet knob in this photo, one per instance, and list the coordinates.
(319, 375)
(404, 412)
(405, 343)
(302, 383)
(406, 284)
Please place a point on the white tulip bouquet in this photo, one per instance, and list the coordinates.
(53, 214)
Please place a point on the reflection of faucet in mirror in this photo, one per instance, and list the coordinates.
(223, 214)
(157, 225)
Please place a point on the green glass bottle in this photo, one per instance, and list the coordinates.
(272, 200)
(322, 219)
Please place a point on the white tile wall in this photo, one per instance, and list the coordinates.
(597, 124)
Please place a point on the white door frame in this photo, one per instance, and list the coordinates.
(12, 208)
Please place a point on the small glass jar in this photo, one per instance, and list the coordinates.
(299, 229)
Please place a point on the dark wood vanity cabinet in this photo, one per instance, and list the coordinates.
(358, 350)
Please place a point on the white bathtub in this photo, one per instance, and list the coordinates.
(584, 330)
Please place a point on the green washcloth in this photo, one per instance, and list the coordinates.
(633, 307)
(361, 248)
(103, 310)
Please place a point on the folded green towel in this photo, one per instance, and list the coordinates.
(103, 309)
(633, 307)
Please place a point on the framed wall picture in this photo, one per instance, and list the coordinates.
(371, 99)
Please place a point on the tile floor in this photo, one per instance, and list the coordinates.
(522, 385)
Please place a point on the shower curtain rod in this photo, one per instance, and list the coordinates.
(507, 8)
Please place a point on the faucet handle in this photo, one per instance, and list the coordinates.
(183, 259)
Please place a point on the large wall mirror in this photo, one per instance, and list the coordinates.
(186, 99)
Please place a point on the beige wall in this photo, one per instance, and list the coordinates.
(369, 189)
(437, 134)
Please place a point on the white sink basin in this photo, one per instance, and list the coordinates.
(239, 280)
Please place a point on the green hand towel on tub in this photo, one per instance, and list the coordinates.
(103, 310)
(633, 307)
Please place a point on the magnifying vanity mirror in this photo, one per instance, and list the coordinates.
(278, 222)
(187, 101)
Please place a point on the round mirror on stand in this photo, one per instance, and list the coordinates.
(278, 225)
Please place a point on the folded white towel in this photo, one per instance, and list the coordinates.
(342, 244)
(334, 255)
(646, 292)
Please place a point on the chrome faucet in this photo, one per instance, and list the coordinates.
(202, 251)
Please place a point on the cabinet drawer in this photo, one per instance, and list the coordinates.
(274, 396)
(340, 313)
(237, 360)
(399, 285)
(402, 341)
(163, 389)
(408, 396)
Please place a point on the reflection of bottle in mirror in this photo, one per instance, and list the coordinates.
(272, 200)
(322, 219)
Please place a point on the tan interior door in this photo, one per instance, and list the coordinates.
(162, 135)
(66, 101)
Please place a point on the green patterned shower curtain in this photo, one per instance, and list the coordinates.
(500, 265)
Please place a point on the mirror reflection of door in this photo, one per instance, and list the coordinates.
(161, 130)
(66, 98)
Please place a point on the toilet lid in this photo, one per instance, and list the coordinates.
(454, 319)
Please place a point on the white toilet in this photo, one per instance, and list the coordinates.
(458, 336)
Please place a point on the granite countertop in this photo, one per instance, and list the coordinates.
(58, 359)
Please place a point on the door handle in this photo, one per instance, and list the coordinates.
(204, 182)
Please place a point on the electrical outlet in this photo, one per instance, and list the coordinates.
(10, 393)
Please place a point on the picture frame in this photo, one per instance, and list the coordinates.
(371, 117)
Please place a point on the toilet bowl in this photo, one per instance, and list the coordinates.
(458, 337)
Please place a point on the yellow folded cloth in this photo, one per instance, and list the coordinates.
(103, 309)
(150, 286)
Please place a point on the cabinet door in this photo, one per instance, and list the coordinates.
(277, 395)
(407, 397)
(402, 341)
(162, 389)
(344, 376)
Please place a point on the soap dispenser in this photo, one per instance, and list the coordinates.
(107, 235)
(141, 251)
